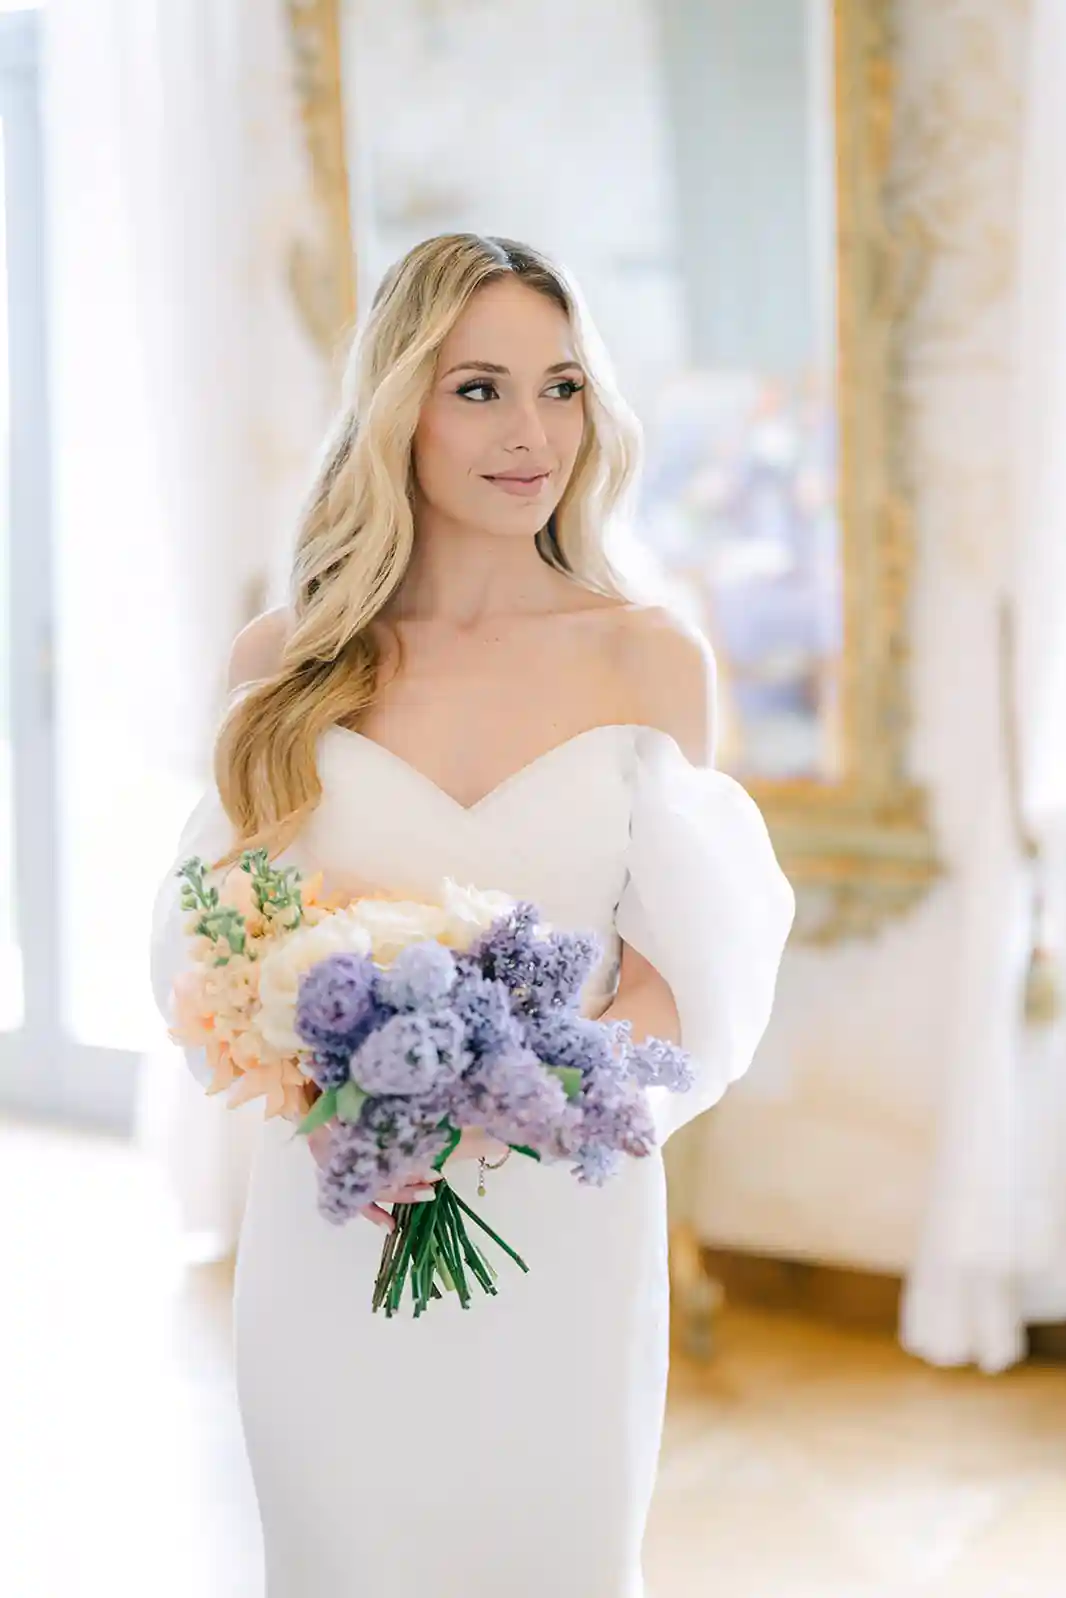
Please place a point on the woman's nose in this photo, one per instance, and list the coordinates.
(525, 426)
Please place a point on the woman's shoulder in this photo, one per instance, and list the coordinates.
(256, 650)
(667, 675)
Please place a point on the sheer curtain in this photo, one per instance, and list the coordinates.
(187, 405)
(993, 1253)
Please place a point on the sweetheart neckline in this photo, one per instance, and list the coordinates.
(505, 783)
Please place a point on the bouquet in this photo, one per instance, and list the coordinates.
(396, 1024)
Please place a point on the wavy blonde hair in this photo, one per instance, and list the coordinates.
(357, 530)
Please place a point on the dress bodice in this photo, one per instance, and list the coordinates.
(555, 832)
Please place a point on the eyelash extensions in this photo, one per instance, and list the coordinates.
(566, 382)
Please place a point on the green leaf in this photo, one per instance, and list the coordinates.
(349, 1097)
(323, 1109)
(520, 1148)
(569, 1076)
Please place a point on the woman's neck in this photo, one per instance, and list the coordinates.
(465, 576)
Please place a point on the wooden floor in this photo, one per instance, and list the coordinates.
(801, 1462)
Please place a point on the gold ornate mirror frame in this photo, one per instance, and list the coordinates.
(859, 849)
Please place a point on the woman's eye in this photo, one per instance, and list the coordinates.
(468, 390)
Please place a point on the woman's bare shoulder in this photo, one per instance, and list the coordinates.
(667, 673)
(257, 648)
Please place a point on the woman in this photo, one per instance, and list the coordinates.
(459, 686)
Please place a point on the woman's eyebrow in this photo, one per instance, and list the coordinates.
(503, 371)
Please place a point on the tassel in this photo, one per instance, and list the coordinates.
(1042, 997)
(1043, 987)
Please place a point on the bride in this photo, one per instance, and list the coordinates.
(460, 686)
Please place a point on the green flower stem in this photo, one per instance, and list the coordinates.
(431, 1247)
(474, 1216)
(411, 1227)
(451, 1252)
(477, 1262)
(420, 1227)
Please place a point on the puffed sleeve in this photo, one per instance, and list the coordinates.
(706, 902)
(208, 833)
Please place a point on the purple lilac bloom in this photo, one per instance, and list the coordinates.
(335, 1005)
(393, 1140)
(561, 964)
(596, 1164)
(483, 1006)
(656, 1063)
(513, 1098)
(410, 1053)
(567, 1039)
(328, 1068)
(542, 973)
(421, 977)
(615, 1115)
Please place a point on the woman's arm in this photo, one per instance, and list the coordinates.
(644, 999)
(670, 681)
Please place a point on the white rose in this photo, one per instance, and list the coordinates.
(471, 911)
(280, 972)
(392, 924)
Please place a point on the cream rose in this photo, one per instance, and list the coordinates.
(392, 924)
(471, 911)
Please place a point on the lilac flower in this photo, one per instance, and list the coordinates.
(596, 1164)
(394, 1140)
(614, 1115)
(483, 1006)
(410, 1053)
(656, 1063)
(571, 1040)
(501, 952)
(353, 1174)
(513, 1098)
(542, 973)
(335, 1005)
(329, 1068)
(561, 964)
(403, 1127)
(420, 977)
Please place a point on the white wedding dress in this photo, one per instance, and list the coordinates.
(508, 1451)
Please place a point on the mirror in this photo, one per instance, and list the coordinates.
(716, 176)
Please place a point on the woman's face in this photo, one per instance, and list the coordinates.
(506, 404)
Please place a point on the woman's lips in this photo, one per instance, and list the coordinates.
(517, 485)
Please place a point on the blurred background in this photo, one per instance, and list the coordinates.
(825, 242)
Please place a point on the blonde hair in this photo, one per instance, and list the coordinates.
(357, 530)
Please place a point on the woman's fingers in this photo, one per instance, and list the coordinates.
(318, 1142)
(380, 1217)
(414, 1193)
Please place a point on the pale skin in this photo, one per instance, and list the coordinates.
(488, 629)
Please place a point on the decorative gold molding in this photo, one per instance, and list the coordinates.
(859, 849)
(321, 274)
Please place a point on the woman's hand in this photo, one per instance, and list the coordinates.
(415, 1192)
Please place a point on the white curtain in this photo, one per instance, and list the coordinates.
(188, 402)
(993, 1252)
